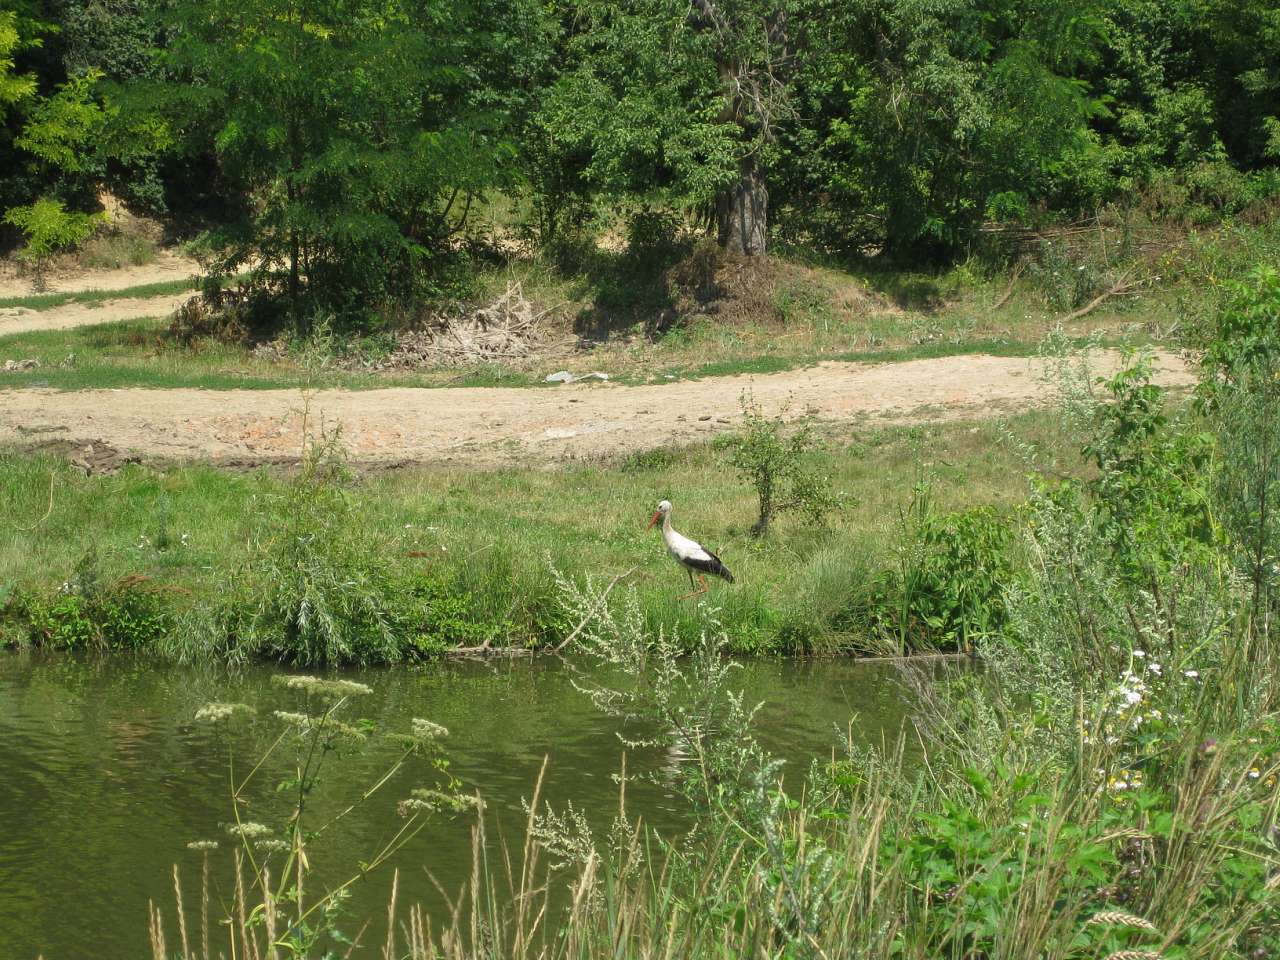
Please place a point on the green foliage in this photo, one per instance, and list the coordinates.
(317, 588)
(780, 465)
(14, 87)
(1242, 391)
(946, 589)
(312, 588)
(62, 127)
(1150, 489)
(50, 228)
(930, 118)
(356, 137)
(87, 614)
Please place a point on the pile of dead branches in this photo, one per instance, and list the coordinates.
(507, 329)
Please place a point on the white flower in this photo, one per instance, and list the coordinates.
(1132, 697)
(1192, 674)
(215, 712)
(426, 730)
(1140, 654)
(328, 689)
(248, 829)
(1156, 668)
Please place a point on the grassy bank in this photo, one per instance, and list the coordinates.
(483, 539)
(1106, 788)
(136, 353)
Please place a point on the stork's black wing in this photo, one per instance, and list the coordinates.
(709, 564)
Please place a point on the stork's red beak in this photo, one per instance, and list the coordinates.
(657, 515)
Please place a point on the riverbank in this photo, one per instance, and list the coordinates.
(1105, 789)
(472, 551)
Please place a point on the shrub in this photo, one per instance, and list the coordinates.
(946, 590)
(49, 228)
(314, 587)
(87, 614)
(780, 467)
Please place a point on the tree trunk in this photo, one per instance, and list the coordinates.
(742, 213)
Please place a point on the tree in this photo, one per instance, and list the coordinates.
(357, 134)
(929, 116)
(678, 101)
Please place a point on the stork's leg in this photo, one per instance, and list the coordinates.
(703, 588)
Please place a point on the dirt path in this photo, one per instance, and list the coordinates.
(22, 320)
(487, 426)
(167, 266)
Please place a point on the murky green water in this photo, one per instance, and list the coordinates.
(104, 776)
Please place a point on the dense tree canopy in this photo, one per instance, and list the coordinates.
(335, 148)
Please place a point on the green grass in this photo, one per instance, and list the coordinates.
(47, 301)
(491, 532)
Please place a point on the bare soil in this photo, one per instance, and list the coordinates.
(73, 278)
(537, 425)
(76, 279)
(22, 320)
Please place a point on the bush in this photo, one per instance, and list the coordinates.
(947, 588)
(84, 613)
(780, 467)
(50, 228)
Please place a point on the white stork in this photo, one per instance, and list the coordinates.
(689, 553)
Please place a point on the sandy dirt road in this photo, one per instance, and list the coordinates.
(168, 267)
(494, 426)
(22, 320)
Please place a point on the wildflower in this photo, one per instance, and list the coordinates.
(424, 800)
(294, 719)
(1254, 773)
(203, 845)
(1191, 674)
(271, 845)
(426, 730)
(1140, 654)
(325, 689)
(1132, 697)
(1156, 668)
(216, 712)
(248, 830)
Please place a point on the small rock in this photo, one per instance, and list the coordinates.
(554, 433)
(564, 376)
(705, 416)
(722, 419)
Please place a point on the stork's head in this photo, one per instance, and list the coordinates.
(664, 508)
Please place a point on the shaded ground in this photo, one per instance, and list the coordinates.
(492, 426)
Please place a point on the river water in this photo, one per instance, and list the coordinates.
(105, 777)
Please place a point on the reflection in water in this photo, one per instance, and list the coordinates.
(105, 778)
